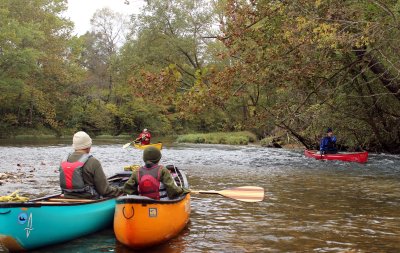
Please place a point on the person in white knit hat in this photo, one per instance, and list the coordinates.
(81, 141)
(81, 175)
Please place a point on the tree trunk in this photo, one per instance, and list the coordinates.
(389, 81)
(309, 144)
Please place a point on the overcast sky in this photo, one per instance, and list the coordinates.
(81, 11)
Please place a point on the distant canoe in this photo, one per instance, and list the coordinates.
(141, 222)
(140, 146)
(360, 157)
(54, 219)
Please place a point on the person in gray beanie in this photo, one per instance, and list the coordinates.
(153, 180)
(81, 175)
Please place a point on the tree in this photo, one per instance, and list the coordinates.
(108, 34)
(170, 55)
(305, 65)
(33, 42)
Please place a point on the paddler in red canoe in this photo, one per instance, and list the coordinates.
(328, 143)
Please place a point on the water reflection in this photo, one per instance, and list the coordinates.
(176, 245)
(310, 206)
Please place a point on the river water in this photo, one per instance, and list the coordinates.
(310, 205)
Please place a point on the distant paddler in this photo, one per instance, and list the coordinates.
(328, 143)
(144, 137)
(143, 141)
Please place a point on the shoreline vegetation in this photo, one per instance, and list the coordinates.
(227, 138)
(231, 138)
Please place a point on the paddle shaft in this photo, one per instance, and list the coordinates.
(204, 192)
(129, 143)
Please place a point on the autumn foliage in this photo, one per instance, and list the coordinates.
(275, 68)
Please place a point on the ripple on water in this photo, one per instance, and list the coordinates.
(310, 205)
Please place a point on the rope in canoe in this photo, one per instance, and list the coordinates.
(131, 168)
(13, 197)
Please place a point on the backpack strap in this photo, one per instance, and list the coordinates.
(66, 158)
(83, 159)
(138, 175)
(159, 173)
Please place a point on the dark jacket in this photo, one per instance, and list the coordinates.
(328, 144)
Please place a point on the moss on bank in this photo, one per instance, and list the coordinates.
(231, 138)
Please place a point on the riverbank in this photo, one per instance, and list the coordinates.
(230, 138)
(227, 138)
(239, 138)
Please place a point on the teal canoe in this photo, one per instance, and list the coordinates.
(53, 219)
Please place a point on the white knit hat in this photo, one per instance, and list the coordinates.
(81, 140)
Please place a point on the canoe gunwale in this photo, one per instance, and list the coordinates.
(314, 152)
(34, 203)
(158, 145)
(135, 199)
(38, 202)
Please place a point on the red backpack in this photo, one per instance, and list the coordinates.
(71, 179)
(149, 181)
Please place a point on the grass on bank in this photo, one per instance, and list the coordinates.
(231, 138)
(44, 133)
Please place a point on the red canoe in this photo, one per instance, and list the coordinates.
(360, 157)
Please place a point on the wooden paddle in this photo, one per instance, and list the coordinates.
(243, 193)
(129, 143)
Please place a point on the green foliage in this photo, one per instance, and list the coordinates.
(303, 73)
(271, 67)
(231, 138)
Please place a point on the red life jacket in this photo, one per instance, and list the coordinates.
(149, 184)
(145, 138)
(71, 179)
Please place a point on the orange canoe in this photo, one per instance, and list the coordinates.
(141, 222)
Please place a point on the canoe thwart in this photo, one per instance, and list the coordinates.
(70, 200)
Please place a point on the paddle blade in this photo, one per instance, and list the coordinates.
(244, 193)
(127, 145)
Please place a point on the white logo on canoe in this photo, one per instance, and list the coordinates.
(29, 227)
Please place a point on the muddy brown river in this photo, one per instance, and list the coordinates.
(310, 205)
